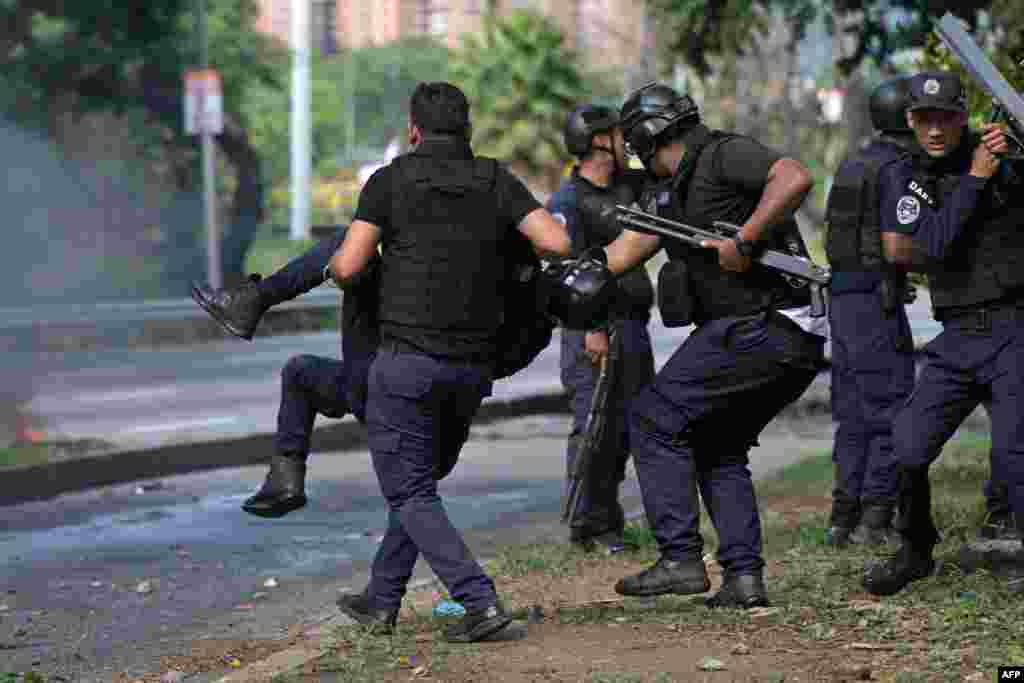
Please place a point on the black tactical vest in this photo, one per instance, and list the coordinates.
(718, 293)
(853, 238)
(595, 205)
(443, 269)
(986, 262)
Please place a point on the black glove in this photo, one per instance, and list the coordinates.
(580, 292)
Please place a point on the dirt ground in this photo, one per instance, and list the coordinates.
(589, 633)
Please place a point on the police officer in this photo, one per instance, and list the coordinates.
(872, 346)
(964, 208)
(599, 181)
(444, 219)
(692, 428)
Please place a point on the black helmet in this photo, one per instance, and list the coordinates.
(584, 123)
(648, 112)
(888, 105)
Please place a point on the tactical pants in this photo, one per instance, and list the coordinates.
(418, 407)
(872, 376)
(309, 385)
(975, 358)
(600, 510)
(692, 428)
(300, 274)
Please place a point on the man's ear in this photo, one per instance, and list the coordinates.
(415, 135)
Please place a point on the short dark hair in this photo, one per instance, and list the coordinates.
(439, 107)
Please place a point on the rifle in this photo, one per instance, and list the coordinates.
(1007, 102)
(797, 270)
(594, 433)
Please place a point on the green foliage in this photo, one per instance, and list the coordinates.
(521, 81)
(1002, 38)
(360, 101)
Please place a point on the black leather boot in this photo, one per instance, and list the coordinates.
(742, 591)
(237, 309)
(283, 490)
(357, 606)
(478, 624)
(910, 563)
(682, 577)
(843, 519)
(875, 526)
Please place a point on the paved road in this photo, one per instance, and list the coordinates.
(151, 397)
(71, 566)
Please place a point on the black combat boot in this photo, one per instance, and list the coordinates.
(875, 526)
(910, 563)
(998, 524)
(682, 577)
(478, 624)
(358, 607)
(237, 309)
(742, 591)
(913, 560)
(283, 490)
(843, 519)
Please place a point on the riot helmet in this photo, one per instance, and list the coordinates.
(888, 105)
(649, 112)
(584, 123)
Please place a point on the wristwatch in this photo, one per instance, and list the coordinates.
(745, 247)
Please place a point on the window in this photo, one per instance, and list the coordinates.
(323, 23)
(591, 18)
(432, 18)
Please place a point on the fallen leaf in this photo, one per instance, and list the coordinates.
(869, 646)
(711, 664)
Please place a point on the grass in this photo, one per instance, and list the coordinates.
(23, 455)
(941, 628)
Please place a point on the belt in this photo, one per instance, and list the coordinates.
(983, 318)
(400, 346)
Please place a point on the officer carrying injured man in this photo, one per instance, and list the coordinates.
(748, 358)
(964, 207)
(586, 203)
(445, 220)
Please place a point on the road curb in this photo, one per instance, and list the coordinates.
(47, 480)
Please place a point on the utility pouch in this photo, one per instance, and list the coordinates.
(675, 300)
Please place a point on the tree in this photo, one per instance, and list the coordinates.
(106, 55)
(521, 81)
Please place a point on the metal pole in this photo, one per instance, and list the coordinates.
(214, 271)
(302, 160)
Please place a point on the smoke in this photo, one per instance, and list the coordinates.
(80, 228)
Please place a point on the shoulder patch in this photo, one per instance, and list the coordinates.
(908, 209)
(916, 189)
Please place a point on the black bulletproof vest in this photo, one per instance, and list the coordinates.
(718, 293)
(635, 295)
(853, 239)
(443, 267)
(986, 262)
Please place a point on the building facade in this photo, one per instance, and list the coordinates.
(608, 33)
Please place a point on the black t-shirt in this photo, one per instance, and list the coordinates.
(726, 185)
(513, 201)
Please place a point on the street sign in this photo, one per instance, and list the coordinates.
(204, 103)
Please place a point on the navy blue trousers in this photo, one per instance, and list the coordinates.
(872, 376)
(964, 366)
(693, 427)
(309, 385)
(300, 274)
(418, 408)
(600, 510)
